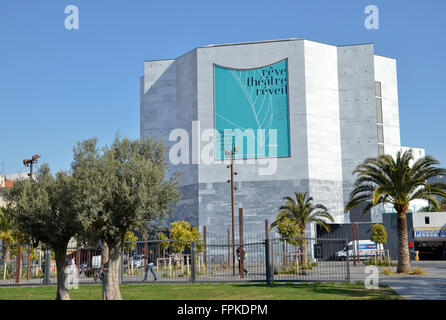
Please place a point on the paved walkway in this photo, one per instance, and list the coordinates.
(431, 286)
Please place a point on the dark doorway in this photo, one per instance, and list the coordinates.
(430, 250)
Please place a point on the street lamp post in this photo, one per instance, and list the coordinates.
(231, 153)
(29, 163)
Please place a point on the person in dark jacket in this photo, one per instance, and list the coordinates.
(150, 263)
(238, 251)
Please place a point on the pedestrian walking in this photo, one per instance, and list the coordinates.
(150, 264)
(238, 251)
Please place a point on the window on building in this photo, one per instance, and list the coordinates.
(379, 117)
(380, 149)
(380, 133)
(426, 220)
(379, 110)
(378, 89)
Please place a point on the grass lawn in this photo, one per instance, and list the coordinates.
(286, 291)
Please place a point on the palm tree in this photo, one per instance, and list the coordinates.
(303, 212)
(395, 181)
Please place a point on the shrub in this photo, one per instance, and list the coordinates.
(417, 271)
(294, 268)
(384, 263)
(386, 271)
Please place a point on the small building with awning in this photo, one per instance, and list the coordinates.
(430, 235)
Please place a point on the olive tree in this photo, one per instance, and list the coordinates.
(118, 188)
(43, 210)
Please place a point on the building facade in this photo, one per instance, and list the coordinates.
(4, 184)
(430, 235)
(319, 109)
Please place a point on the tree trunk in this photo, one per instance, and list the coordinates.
(111, 256)
(304, 249)
(304, 254)
(403, 249)
(6, 257)
(7, 253)
(61, 255)
(128, 262)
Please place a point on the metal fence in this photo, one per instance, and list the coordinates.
(309, 260)
(254, 259)
(25, 265)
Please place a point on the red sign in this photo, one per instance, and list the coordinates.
(410, 244)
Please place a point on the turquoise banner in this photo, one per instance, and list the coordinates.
(251, 111)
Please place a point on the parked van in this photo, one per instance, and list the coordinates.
(366, 249)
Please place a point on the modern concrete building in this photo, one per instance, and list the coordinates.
(331, 106)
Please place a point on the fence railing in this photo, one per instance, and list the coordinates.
(254, 259)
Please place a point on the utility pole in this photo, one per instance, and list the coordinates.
(232, 152)
(242, 252)
(28, 163)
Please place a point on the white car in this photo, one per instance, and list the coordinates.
(366, 249)
(138, 261)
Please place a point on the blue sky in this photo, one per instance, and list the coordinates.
(60, 86)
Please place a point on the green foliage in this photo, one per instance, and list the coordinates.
(294, 268)
(418, 271)
(8, 233)
(10, 270)
(164, 245)
(43, 208)
(122, 186)
(182, 231)
(431, 208)
(379, 234)
(375, 261)
(288, 228)
(395, 181)
(302, 212)
(34, 255)
(132, 238)
(387, 271)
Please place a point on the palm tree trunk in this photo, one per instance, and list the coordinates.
(403, 248)
(6, 257)
(304, 254)
(304, 248)
(6, 252)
